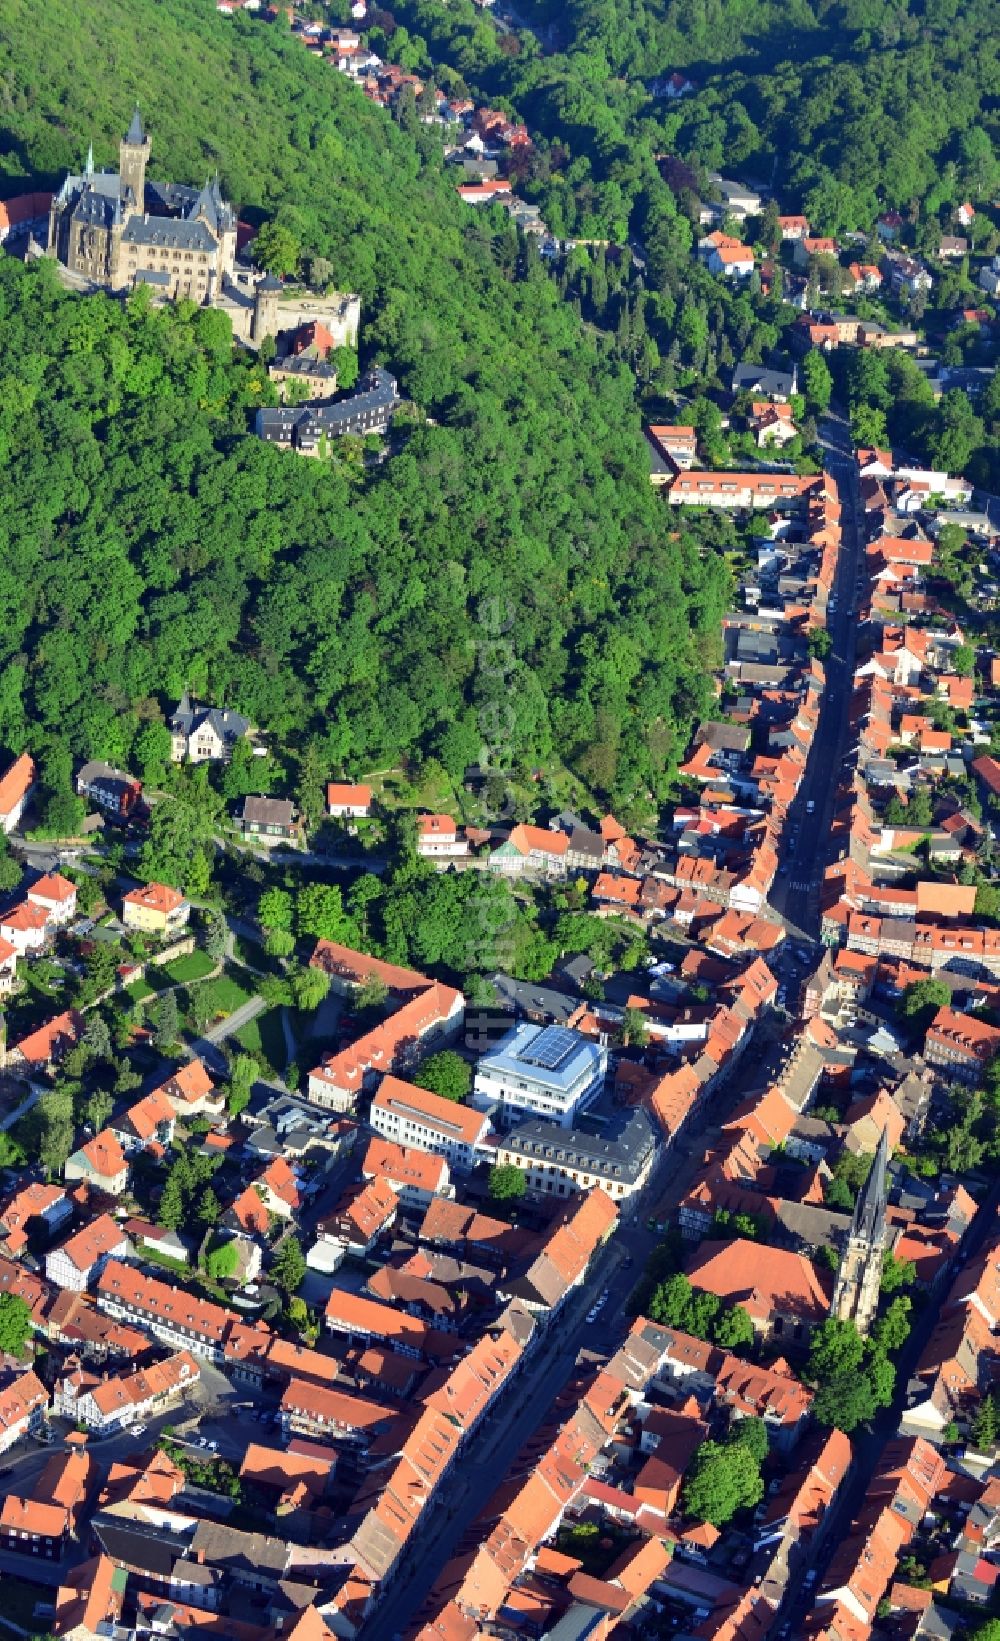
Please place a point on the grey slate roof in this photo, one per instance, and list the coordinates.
(620, 1150)
(189, 717)
(173, 233)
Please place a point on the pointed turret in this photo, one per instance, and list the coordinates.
(135, 133)
(89, 167)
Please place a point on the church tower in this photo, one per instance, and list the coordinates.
(855, 1296)
(134, 156)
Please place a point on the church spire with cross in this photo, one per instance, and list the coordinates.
(855, 1294)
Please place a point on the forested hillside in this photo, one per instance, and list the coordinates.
(146, 542)
(843, 104)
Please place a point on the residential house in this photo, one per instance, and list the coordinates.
(48, 1204)
(156, 908)
(78, 1262)
(415, 1176)
(364, 1214)
(778, 385)
(99, 1163)
(111, 789)
(192, 1093)
(8, 966)
(676, 446)
(170, 1314)
(531, 849)
(22, 1405)
(270, 821)
(150, 1122)
(90, 1600)
(346, 801)
(106, 1404)
(42, 1522)
(204, 734)
(960, 1044)
(438, 836)
(44, 1048)
(738, 201)
(427, 1013)
(56, 896)
(16, 786)
(25, 928)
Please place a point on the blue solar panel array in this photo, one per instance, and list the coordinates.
(551, 1048)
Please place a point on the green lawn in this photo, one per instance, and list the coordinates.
(264, 1037)
(139, 990)
(227, 994)
(195, 966)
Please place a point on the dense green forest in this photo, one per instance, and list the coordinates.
(149, 543)
(843, 105)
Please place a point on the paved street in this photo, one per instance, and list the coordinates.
(795, 895)
(526, 1402)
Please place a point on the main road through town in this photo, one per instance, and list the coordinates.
(524, 1404)
(795, 895)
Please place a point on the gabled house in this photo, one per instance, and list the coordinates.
(155, 908)
(78, 1263)
(16, 786)
(99, 1163)
(203, 733)
(149, 1122)
(347, 801)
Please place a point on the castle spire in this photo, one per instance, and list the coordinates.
(135, 132)
(88, 170)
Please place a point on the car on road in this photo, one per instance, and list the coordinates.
(811, 807)
(138, 1430)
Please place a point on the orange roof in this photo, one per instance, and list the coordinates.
(404, 1166)
(53, 887)
(335, 1407)
(280, 1467)
(251, 1213)
(373, 1207)
(279, 1177)
(189, 1084)
(352, 1314)
(31, 1516)
(18, 779)
(433, 826)
(537, 839)
(93, 1242)
(765, 1281)
(405, 1099)
(341, 793)
(25, 917)
(105, 1155)
(155, 897)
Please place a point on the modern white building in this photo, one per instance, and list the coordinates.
(414, 1117)
(541, 1071)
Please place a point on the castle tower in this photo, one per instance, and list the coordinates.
(855, 1296)
(134, 156)
(265, 309)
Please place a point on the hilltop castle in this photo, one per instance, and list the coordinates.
(120, 229)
